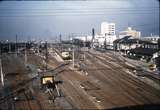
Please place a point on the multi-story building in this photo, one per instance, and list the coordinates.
(105, 39)
(107, 28)
(129, 32)
(107, 35)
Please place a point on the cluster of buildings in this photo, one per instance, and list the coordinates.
(128, 42)
(107, 36)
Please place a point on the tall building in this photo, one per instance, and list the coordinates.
(129, 32)
(107, 28)
(107, 35)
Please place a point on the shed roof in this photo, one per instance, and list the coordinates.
(144, 51)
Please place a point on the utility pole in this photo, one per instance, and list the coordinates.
(105, 45)
(2, 76)
(25, 60)
(16, 46)
(85, 47)
(93, 35)
(60, 38)
(73, 52)
(9, 47)
(60, 42)
(46, 60)
(73, 56)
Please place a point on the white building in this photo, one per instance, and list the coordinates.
(101, 39)
(107, 34)
(83, 38)
(107, 28)
(129, 32)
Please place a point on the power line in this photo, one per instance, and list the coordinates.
(86, 14)
(115, 8)
(62, 0)
(74, 11)
(69, 13)
(82, 3)
(77, 11)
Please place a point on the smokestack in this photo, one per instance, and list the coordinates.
(93, 33)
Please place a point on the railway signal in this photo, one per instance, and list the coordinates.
(49, 83)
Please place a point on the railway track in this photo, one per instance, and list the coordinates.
(77, 96)
(133, 87)
(28, 101)
(128, 77)
(71, 77)
(74, 96)
(17, 86)
(121, 71)
(22, 99)
(116, 88)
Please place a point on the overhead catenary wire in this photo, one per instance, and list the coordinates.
(72, 12)
(47, 15)
(68, 14)
(69, 8)
(79, 11)
(54, 1)
(62, 8)
(66, 5)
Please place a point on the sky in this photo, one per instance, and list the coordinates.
(45, 20)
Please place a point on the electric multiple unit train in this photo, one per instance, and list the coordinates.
(66, 55)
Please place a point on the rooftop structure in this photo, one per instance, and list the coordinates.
(130, 32)
(151, 38)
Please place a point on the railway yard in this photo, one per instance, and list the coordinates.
(100, 81)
